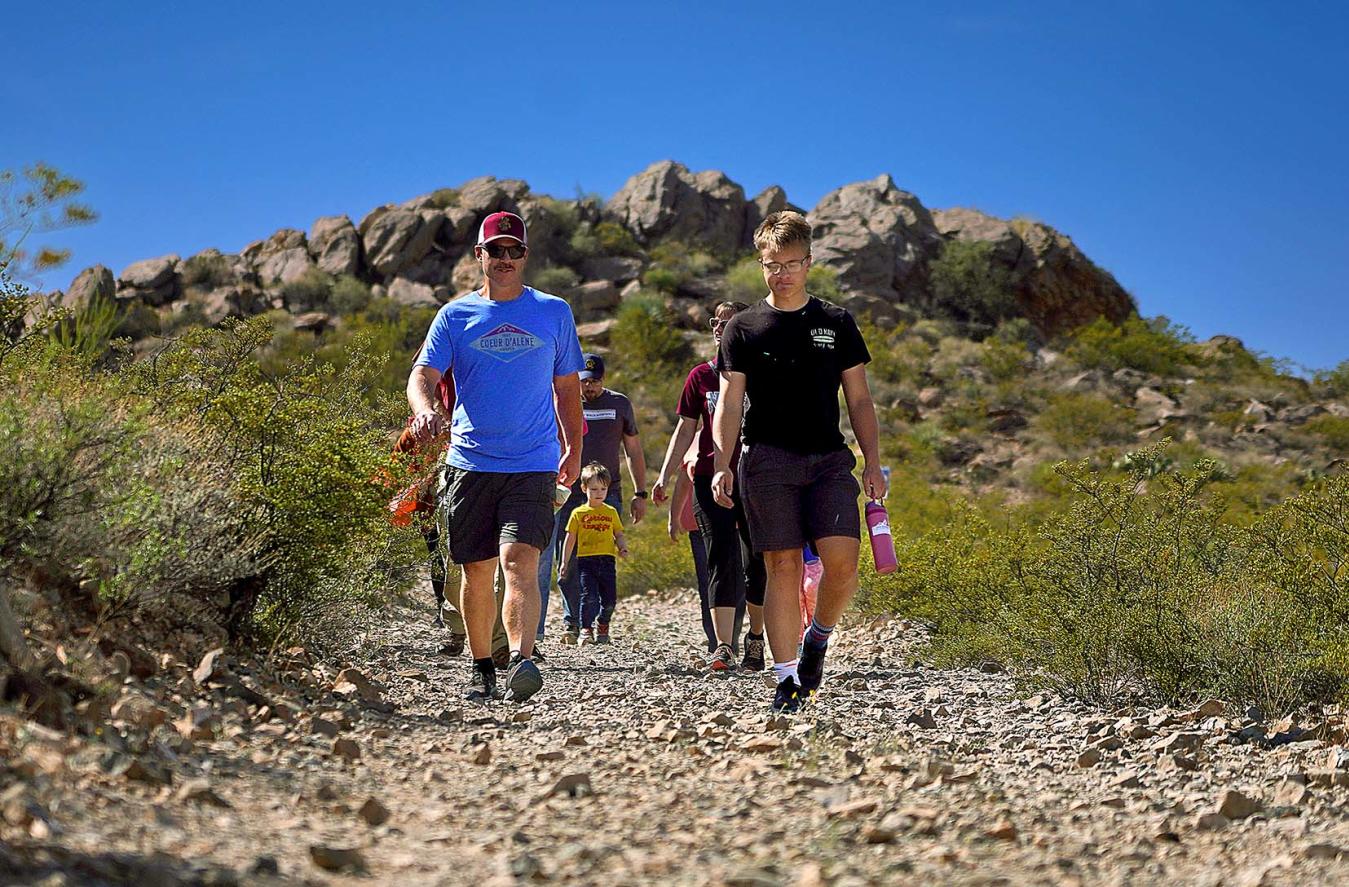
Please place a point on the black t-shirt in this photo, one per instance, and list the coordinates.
(793, 363)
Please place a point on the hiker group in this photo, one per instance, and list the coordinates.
(757, 470)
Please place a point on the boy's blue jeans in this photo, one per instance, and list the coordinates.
(599, 588)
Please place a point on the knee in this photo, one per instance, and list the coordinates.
(841, 569)
(777, 561)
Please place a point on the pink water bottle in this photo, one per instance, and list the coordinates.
(882, 543)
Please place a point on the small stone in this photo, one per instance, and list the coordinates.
(1291, 793)
(879, 833)
(373, 812)
(323, 727)
(199, 791)
(1211, 822)
(1003, 830)
(1210, 709)
(1234, 805)
(573, 785)
(1089, 758)
(1126, 779)
(481, 755)
(206, 668)
(922, 719)
(337, 859)
(762, 744)
(575, 742)
(147, 771)
(550, 755)
(346, 748)
(1322, 851)
(852, 809)
(1337, 758)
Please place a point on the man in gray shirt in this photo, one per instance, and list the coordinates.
(611, 432)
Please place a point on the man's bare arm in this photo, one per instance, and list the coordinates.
(428, 418)
(567, 401)
(684, 431)
(866, 428)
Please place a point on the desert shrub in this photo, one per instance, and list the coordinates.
(1140, 587)
(674, 264)
(603, 239)
(1152, 346)
(1334, 382)
(309, 292)
(744, 280)
(349, 295)
(654, 561)
(207, 270)
(971, 286)
(822, 282)
(306, 451)
(954, 354)
(1333, 430)
(444, 198)
(88, 329)
(1074, 421)
(554, 279)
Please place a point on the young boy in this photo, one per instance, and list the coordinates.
(595, 534)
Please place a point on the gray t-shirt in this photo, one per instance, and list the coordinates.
(609, 418)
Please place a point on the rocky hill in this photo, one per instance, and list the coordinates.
(881, 241)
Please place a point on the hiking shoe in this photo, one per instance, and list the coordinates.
(454, 646)
(501, 657)
(754, 653)
(523, 680)
(602, 636)
(537, 655)
(482, 687)
(588, 638)
(439, 620)
(810, 668)
(787, 697)
(723, 659)
(570, 637)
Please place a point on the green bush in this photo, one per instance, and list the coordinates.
(207, 270)
(349, 295)
(1151, 346)
(1140, 587)
(554, 279)
(971, 286)
(662, 280)
(310, 292)
(603, 239)
(1075, 421)
(1334, 430)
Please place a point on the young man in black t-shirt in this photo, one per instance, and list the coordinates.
(790, 354)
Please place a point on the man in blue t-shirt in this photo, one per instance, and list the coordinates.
(513, 358)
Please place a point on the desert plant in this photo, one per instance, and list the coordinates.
(969, 284)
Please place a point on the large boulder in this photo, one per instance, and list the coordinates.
(878, 238)
(286, 266)
(285, 239)
(335, 245)
(965, 224)
(770, 200)
(1062, 288)
(667, 201)
(90, 284)
(397, 238)
(488, 194)
(151, 281)
(412, 294)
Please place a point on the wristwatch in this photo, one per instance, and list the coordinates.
(640, 494)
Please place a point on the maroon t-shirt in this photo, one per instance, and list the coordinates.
(699, 401)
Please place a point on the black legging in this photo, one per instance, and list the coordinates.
(735, 575)
(431, 533)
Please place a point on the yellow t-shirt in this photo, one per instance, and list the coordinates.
(595, 528)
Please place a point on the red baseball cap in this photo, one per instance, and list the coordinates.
(503, 224)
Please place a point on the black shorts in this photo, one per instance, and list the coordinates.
(791, 499)
(486, 509)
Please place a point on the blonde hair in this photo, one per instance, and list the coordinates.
(780, 230)
(596, 471)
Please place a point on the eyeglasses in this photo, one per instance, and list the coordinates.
(717, 323)
(497, 250)
(791, 267)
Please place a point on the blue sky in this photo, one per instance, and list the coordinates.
(1196, 150)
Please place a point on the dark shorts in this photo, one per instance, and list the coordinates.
(487, 509)
(791, 499)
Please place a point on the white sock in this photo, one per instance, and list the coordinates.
(784, 670)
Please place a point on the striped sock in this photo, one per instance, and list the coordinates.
(784, 670)
(817, 635)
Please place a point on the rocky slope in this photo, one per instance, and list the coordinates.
(879, 239)
(635, 766)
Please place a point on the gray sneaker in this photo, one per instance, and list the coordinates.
(523, 680)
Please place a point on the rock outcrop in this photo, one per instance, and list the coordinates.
(879, 239)
(667, 201)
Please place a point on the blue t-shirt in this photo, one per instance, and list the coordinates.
(503, 357)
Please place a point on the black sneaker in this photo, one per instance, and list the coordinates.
(501, 657)
(754, 653)
(523, 680)
(787, 698)
(810, 668)
(723, 659)
(454, 646)
(482, 687)
(537, 655)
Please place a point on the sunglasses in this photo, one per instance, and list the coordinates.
(497, 250)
